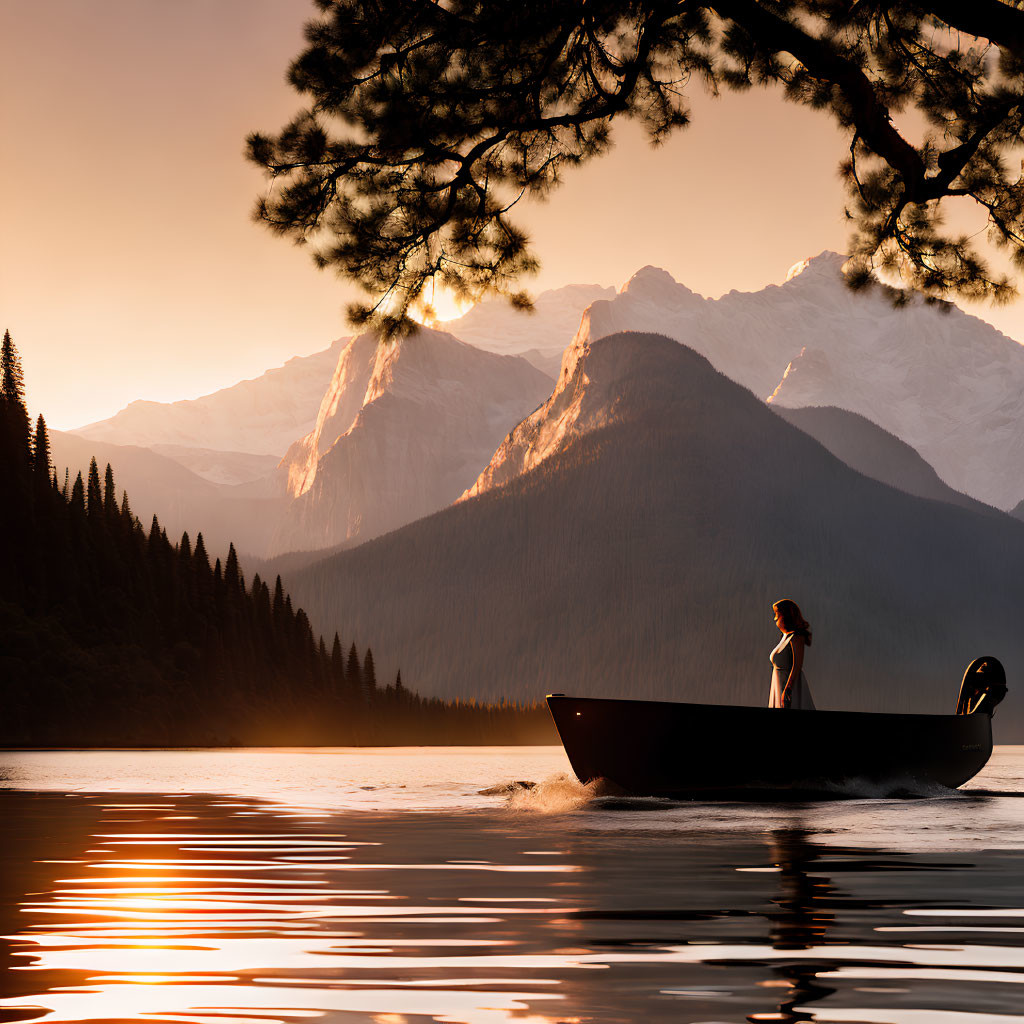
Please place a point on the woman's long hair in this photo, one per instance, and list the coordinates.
(792, 620)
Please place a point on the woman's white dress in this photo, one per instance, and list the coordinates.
(782, 663)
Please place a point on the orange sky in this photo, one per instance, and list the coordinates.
(130, 268)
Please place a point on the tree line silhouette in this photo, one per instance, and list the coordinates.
(110, 634)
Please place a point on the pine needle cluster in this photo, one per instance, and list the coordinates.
(425, 123)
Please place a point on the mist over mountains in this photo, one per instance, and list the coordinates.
(641, 557)
(242, 514)
(266, 415)
(254, 417)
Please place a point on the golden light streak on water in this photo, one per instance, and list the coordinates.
(207, 909)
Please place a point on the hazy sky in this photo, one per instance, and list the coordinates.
(130, 267)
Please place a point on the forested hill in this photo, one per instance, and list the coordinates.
(110, 634)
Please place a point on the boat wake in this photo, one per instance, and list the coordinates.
(905, 788)
(562, 793)
(557, 794)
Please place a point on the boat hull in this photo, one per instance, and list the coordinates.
(658, 748)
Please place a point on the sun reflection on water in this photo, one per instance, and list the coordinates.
(202, 910)
(248, 923)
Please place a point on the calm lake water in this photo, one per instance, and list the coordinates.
(384, 886)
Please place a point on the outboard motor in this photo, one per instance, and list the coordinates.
(984, 686)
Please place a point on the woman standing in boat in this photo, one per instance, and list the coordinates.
(789, 687)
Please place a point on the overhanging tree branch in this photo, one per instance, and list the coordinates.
(429, 122)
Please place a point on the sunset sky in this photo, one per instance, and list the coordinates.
(131, 268)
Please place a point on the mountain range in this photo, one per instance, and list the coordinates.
(258, 417)
(946, 383)
(265, 415)
(419, 435)
(625, 527)
(372, 437)
(641, 555)
(402, 430)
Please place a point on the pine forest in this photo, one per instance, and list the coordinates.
(113, 634)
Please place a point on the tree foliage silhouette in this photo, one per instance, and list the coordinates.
(426, 122)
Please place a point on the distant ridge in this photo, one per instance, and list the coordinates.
(867, 448)
(640, 557)
(261, 416)
(241, 514)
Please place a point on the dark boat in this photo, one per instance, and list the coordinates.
(658, 748)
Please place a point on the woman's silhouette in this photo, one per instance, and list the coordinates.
(789, 687)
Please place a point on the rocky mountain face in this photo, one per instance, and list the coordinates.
(338, 408)
(262, 416)
(401, 431)
(946, 383)
(641, 555)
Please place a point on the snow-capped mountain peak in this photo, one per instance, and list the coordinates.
(946, 383)
(826, 264)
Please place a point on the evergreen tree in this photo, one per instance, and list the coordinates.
(78, 495)
(109, 494)
(41, 460)
(12, 380)
(93, 492)
(15, 438)
(201, 559)
(337, 661)
(303, 630)
(353, 671)
(369, 676)
(277, 607)
(41, 466)
(232, 576)
(15, 459)
(155, 542)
